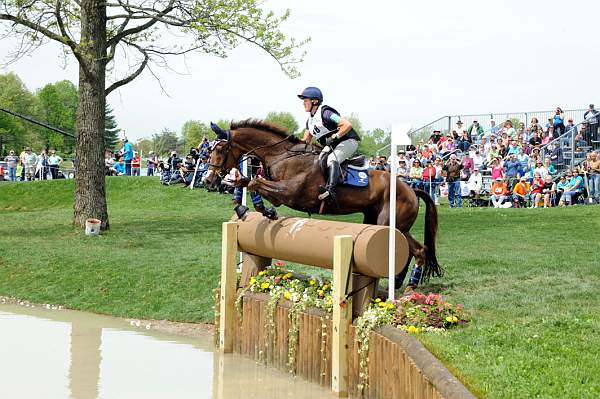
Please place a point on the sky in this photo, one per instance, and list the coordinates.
(387, 62)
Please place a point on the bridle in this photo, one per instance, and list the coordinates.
(227, 149)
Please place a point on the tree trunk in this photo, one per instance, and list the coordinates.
(90, 192)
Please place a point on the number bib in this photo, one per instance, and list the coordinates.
(316, 126)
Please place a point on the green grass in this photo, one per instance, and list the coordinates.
(529, 278)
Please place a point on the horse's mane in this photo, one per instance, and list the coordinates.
(266, 126)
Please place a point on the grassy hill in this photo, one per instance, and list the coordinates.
(529, 277)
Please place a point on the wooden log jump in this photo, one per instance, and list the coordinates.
(343, 247)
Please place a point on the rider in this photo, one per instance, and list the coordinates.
(334, 133)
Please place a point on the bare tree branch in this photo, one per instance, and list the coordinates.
(34, 26)
(134, 75)
(137, 29)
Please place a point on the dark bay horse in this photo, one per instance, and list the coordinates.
(293, 177)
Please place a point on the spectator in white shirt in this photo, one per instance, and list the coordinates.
(29, 161)
(54, 162)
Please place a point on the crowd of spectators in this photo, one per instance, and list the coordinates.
(503, 166)
(28, 165)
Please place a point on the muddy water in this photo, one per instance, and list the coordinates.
(67, 354)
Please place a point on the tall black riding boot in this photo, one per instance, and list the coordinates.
(334, 176)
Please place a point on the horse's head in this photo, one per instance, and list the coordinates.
(221, 158)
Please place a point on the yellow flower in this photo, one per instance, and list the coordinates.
(325, 287)
(312, 282)
(378, 300)
(454, 319)
(264, 286)
(287, 276)
(382, 304)
(262, 273)
(412, 329)
(449, 319)
(390, 306)
(252, 281)
(287, 295)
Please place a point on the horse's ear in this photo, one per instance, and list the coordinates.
(221, 134)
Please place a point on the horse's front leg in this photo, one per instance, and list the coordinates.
(276, 193)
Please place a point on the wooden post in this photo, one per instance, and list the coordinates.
(342, 315)
(228, 286)
(362, 298)
(251, 266)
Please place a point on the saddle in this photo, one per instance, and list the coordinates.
(354, 171)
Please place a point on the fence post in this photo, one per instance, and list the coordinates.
(572, 149)
(228, 286)
(342, 314)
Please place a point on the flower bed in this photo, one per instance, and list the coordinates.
(415, 313)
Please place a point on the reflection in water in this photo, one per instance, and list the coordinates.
(67, 354)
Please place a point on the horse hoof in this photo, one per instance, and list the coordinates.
(241, 211)
(270, 213)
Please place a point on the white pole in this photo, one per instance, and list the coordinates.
(195, 172)
(244, 173)
(399, 137)
(244, 193)
(392, 235)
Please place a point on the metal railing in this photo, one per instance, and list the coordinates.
(447, 123)
(571, 152)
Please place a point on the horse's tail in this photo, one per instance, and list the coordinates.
(432, 267)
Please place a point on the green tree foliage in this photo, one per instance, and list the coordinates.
(57, 106)
(285, 120)
(111, 129)
(166, 141)
(98, 33)
(144, 146)
(14, 96)
(194, 131)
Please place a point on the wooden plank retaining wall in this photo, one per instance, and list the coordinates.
(399, 365)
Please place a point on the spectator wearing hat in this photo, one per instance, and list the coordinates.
(591, 118)
(475, 131)
(548, 191)
(12, 161)
(452, 172)
(29, 162)
(435, 136)
(521, 192)
(429, 179)
(403, 171)
(475, 183)
(499, 192)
